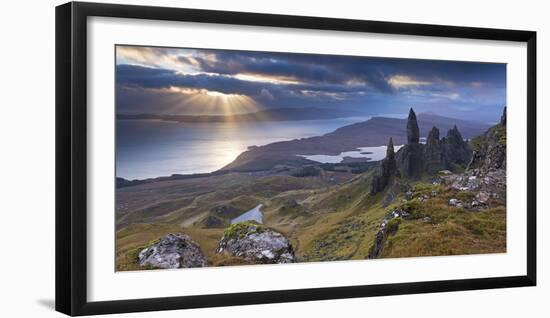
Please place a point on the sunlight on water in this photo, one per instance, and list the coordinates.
(152, 148)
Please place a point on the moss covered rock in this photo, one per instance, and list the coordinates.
(256, 244)
(172, 251)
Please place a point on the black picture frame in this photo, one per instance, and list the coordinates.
(71, 157)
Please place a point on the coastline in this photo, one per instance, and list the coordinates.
(345, 141)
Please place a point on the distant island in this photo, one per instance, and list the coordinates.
(275, 114)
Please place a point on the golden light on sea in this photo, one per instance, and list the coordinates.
(226, 150)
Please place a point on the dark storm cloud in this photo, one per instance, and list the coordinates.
(155, 78)
(268, 64)
(145, 77)
(301, 80)
(340, 69)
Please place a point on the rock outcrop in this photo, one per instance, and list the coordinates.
(386, 170)
(489, 149)
(413, 133)
(485, 175)
(256, 244)
(437, 154)
(388, 227)
(410, 157)
(448, 153)
(434, 154)
(489, 185)
(456, 149)
(172, 251)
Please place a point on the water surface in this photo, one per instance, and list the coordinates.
(154, 148)
(252, 215)
(370, 153)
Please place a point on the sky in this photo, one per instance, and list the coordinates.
(158, 80)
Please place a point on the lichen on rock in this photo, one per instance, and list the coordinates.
(172, 251)
(256, 244)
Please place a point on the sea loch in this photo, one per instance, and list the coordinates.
(154, 148)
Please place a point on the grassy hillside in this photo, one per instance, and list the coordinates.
(327, 211)
(331, 222)
(435, 228)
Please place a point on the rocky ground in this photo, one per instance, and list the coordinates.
(481, 187)
(241, 243)
(459, 196)
(488, 186)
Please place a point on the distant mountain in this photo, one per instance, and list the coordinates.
(275, 114)
(373, 132)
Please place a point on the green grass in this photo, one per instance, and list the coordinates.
(330, 222)
(466, 196)
(134, 238)
(239, 230)
(393, 225)
(450, 231)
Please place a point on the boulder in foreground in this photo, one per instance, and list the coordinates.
(172, 251)
(256, 244)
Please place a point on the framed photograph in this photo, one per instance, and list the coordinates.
(208, 158)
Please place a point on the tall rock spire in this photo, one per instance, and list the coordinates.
(434, 155)
(413, 133)
(389, 164)
(390, 153)
(409, 158)
(433, 137)
(503, 117)
(386, 170)
(456, 148)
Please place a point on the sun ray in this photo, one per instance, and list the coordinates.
(204, 101)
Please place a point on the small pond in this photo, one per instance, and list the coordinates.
(252, 215)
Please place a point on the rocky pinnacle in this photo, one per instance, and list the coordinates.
(433, 137)
(390, 154)
(434, 154)
(385, 171)
(413, 133)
